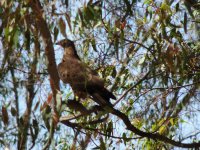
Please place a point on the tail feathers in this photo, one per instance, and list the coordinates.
(106, 94)
(101, 95)
(100, 100)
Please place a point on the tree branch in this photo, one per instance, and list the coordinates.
(155, 136)
(42, 26)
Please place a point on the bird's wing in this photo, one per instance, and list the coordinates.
(96, 88)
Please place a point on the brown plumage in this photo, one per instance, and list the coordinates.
(81, 78)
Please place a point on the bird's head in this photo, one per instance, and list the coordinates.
(69, 48)
(65, 43)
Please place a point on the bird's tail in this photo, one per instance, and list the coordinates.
(102, 96)
(106, 94)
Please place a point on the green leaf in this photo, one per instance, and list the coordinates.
(110, 128)
(68, 95)
(147, 2)
(81, 17)
(27, 39)
(165, 6)
(90, 12)
(16, 38)
(93, 42)
(68, 21)
(36, 129)
(142, 60)
(177, 7)
(124, 138)
(162, 129)
(7, 32)
(62, 27)
(171, 121)
(185, 22)
(114, 72)
(55, 32)
(13, 111)
(102, 144)
(5, 117)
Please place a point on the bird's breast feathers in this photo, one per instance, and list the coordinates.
(72, 70)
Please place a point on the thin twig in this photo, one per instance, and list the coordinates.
(131, 88)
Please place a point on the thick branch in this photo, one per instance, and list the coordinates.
(133, 129)
(42, 26)
(49, 49)
(159, 137)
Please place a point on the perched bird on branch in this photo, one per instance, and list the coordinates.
(81, 78)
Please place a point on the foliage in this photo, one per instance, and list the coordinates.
(148, 53)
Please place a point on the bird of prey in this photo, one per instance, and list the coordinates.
(81, 78)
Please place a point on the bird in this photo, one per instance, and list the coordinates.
(83, 80)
